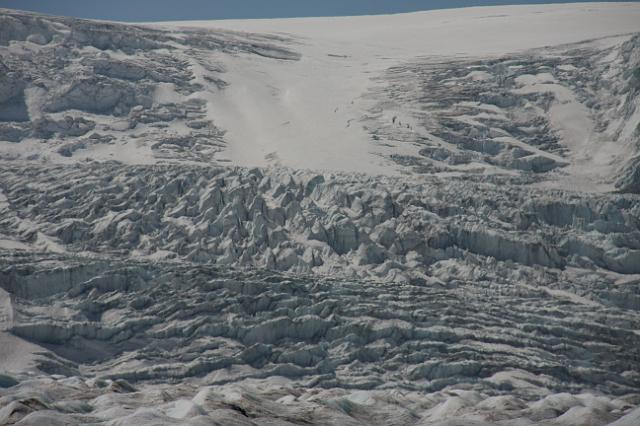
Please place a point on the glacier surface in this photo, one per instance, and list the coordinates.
(322, 221)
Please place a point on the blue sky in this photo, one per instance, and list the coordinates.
(159, 10)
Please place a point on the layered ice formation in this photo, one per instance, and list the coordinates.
(418, 219)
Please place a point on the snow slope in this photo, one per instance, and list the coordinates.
(341, 56)
(321, 94)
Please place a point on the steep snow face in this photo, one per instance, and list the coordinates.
(435, 93)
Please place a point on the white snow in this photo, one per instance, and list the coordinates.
(298, 114)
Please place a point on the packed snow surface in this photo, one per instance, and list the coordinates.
(418, 219)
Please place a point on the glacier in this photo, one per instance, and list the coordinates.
(418, 219)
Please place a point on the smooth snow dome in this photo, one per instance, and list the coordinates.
(150, 10)
(416, 219)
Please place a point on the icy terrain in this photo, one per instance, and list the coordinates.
(419, 219)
